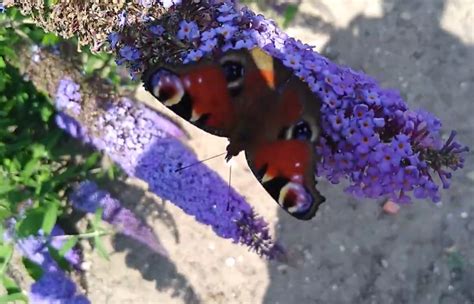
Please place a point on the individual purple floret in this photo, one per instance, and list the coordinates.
(369, 136)
(188, 30)
(87, 197)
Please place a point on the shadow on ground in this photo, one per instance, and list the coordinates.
(351, 252)
(152, 266)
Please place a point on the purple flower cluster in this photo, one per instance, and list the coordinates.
(370, 137)
(67, 101)
(87, 197)
(68, 96)
(147, 145)
(53, 286)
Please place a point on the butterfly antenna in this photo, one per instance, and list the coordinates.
(198, 162)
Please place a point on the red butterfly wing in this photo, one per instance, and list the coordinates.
(198, 93)
(285, 159)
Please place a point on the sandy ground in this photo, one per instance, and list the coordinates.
(351, 252)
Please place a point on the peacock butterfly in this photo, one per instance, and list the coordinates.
(262, 108)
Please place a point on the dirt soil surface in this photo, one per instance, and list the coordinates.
(351, 252)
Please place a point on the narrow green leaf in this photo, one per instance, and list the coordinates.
(100, 248)
(10, 285)
(50, 217)
(30, 167)
(97, 218)
(91, 160)
(70, 243)
(34, 270)
(13, 298)
(6, 252)
(66, 175)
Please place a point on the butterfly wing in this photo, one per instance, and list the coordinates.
(212, 94)
(196, 92)
(284, 159)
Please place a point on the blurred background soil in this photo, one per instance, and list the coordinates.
(351, 252)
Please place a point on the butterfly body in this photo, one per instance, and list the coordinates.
(262, 108)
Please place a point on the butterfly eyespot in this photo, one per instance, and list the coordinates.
(302, 130)
(234, 74)
(233, 71)
(294, 198)
(167, 87)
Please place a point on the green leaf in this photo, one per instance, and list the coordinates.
(4, 213)
(49, 39)
(69, 174)
(4, 188)
(91, 161)
(10, 285)
(31, 223)
(50, 217)
(46, 112)
(12, 298)
(34, 270)
(97, 240)
(2, 63)
(289, 14)
(97, 218)
(30, 167)
(100, 248)
(70, 243)
(6, 252)
(39, 150)
(14, 293)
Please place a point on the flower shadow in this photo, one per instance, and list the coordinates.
(154, 267)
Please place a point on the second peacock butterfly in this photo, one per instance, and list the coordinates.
(262, 108)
